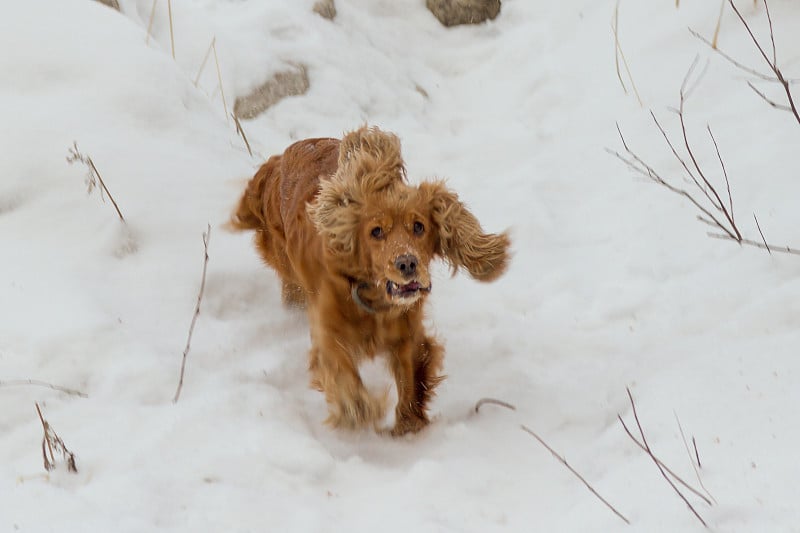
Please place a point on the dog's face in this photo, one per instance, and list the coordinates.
(382, 232)
(396, 243)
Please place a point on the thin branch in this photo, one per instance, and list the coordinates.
(206, 238)
(689, 453)
(657, 463)
(675, 476)
(764, 240)
(696, 453)
(37, 383)
(757, 244)
(773, 65)
(764, 97)
(564, 462)
(493, 401)
(724, 173)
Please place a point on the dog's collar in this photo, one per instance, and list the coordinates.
(366, 306)
(354, 288)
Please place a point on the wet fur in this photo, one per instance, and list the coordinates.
(313, 209)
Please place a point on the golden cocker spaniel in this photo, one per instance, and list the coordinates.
(352, 242)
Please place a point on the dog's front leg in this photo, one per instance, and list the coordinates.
(350, 405)
(416, 365)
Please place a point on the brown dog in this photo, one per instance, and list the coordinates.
(352, 241)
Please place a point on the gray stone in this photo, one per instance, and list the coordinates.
(455, 12)
(325, 9)
(293, 82)
(110, 3)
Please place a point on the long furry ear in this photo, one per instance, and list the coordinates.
(373, 157)
(335, 214)
(461, 241)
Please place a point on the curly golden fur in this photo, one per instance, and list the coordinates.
(352, 242)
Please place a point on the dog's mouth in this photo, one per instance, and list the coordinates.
(411, 289)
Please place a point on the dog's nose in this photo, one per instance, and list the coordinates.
(406, 264)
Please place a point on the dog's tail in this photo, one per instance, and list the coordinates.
(249, 213)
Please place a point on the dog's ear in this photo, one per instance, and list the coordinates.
(372, 157)
(335, 214)
(461, 240)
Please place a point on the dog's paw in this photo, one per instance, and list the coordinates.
(408, 423)
(360, 410)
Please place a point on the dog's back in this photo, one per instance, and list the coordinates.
(275, 199)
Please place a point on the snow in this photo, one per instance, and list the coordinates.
(613, 284)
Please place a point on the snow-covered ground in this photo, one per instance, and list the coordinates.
(614, 282)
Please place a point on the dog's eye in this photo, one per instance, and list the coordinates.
(419, 228)
(377, 232)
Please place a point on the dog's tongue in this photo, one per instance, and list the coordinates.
(413, 286)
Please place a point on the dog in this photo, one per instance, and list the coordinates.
(352, 242)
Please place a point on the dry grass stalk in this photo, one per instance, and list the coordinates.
(719, 25)
(618, 53)
(171, 32)
(240, 131)
(52, 443)
(205, 60)
(92, 176)
(150, 23)
(219, 78)
(206, 238)
(37, 383)
(564, 462)
(652, 456)
(714, 210)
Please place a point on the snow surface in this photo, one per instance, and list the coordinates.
(614, 283)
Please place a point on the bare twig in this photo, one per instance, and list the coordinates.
(564, 462)
(773, 63)
(757, 244)
(493, 401)
(206, 238)
(656, 461)
(51, 441)
(675, 476)
(92, 176)
(689, 453)
(714, 210)
(764, 97)
(763, 239)
(37, 383)
(240, 131)
(696, 453)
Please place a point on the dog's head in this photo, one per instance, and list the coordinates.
(383, 232)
